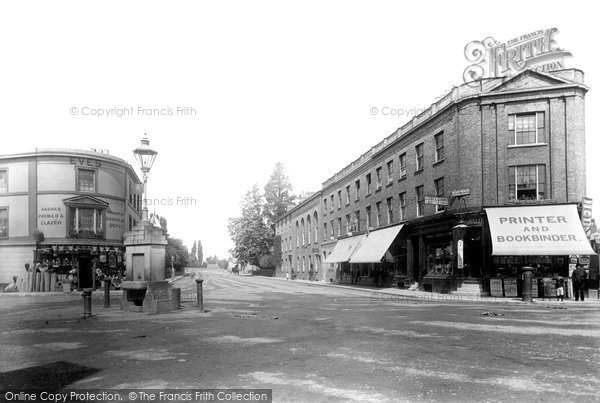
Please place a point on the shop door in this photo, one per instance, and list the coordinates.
(416, 270)
(86, 275)
(137, 262)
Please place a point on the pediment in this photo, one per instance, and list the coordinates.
(529, 79)
(85, 201)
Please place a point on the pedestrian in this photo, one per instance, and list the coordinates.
(287, 275)
(579, 276)
(560, 289)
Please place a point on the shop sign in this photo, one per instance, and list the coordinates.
(440, 201)
(461, 192)
(50, 216)
(88, 162)
(586, 216)
(536, 50)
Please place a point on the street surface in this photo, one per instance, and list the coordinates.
(308, 343)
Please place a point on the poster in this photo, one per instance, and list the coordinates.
(496, 287)
(510, 287)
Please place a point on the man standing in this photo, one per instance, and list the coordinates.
(579, 277)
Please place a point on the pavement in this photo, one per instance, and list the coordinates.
(308, 342)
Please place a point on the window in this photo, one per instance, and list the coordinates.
(357, 223)
(378, 177)
(332, 227)
(3, 181)
(86, 222)
(303, 229)
(325, 233)
(130, 223)
(419, 156)
(378, 210)
(439, 192)
(325, 206)
(526, 128)
(339, 226)
(402, 203)
(308, 230)
(369, 225)
(316, 218)
(420, 201)
(332, 206)
(4, 222)
(357, 187)
(402, 165)
(390, 210)
(347, 194)
(527, 182)
(348, 223)
(390, 172)
(339, 199)
(297, 234)
(439, 147)
(86, 180)
(368, 183)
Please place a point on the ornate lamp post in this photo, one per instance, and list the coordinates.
(145, 156)
(460, 230)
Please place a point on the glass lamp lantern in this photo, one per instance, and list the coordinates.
(145, 157)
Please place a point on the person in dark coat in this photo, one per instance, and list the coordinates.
(579, 276)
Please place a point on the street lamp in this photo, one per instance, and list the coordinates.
(145, 156)
(172, 269)
(460, 230)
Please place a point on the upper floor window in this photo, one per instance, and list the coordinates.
(369, 225)
(3, 181)
(86, 222)
(325, 233)
(368, 183)
(390, 210)
(527, 182)
(325, 206)
(348, 223)
(3, 222)
(332, 203)
(378, 175)
(339, 199)
(348, 194)
(332, 229)
(420, 201)
(390, 172)
(419, 157)
(526, 128)
(378, 211)
(402, 165)
(439, 146)
(402, 203)
(86, 180)
(357, 218)
(357, 187)
(439, 192)
(339, 226)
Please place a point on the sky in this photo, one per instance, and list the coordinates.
(241, 85)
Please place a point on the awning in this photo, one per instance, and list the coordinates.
(344, 248)
(376, 243)
(537, 230)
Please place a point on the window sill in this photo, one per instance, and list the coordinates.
(438, 162)
(419, 171)
(368, 194)
(389, 184)
(402, 178)
(377, 190)
(527, 145)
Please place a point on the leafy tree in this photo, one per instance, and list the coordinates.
(199, 253)
(252, 237)
(278, 194)
(268, 262)
(193, 256)
(179, 251)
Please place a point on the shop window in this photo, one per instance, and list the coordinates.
(439, 192)
(439, 147)
(402, 203)
(86, 222)
(390, 172)
(439, 259)
(527, 182)
(3, 181)
(526, 128)
(390, 210)
(419, 157)
(86, 180)
(402, 165)
(3, 222)
(368, 177)
(378, 175)
(420, 201)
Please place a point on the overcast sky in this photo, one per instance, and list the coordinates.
(269, 81)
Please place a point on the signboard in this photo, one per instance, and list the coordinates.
(510, 287)
(496, 287)
(534, 288)
(461, 192)
(549, 287)
(440, 201)
(586, 216)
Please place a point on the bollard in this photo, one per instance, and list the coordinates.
(107, 293)
(87, 302)
(527, 284)
(199, 298)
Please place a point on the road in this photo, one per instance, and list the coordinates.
(309, 343)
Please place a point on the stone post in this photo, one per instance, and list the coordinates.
(527, 284)
(87, 302)
(199, 296)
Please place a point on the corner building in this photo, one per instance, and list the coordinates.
(68, 209)
(414, 209)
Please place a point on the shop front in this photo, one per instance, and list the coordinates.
(548, 238)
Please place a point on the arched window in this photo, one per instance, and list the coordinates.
(297, 234)
(308, 229)
(303, 229)
(316, 222)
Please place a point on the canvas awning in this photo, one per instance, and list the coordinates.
(372, 249)
(344, 248)
(537, 231)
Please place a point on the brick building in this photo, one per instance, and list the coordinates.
(415, 207)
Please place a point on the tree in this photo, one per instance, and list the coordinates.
(179, 251)
(193, 256)
(278, 194)
(200, 254)
(251, 236)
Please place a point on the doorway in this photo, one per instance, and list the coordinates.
(85, 275)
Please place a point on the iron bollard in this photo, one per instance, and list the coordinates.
(199, 298)
(87, 302)
(527, 284)
(107, 293)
